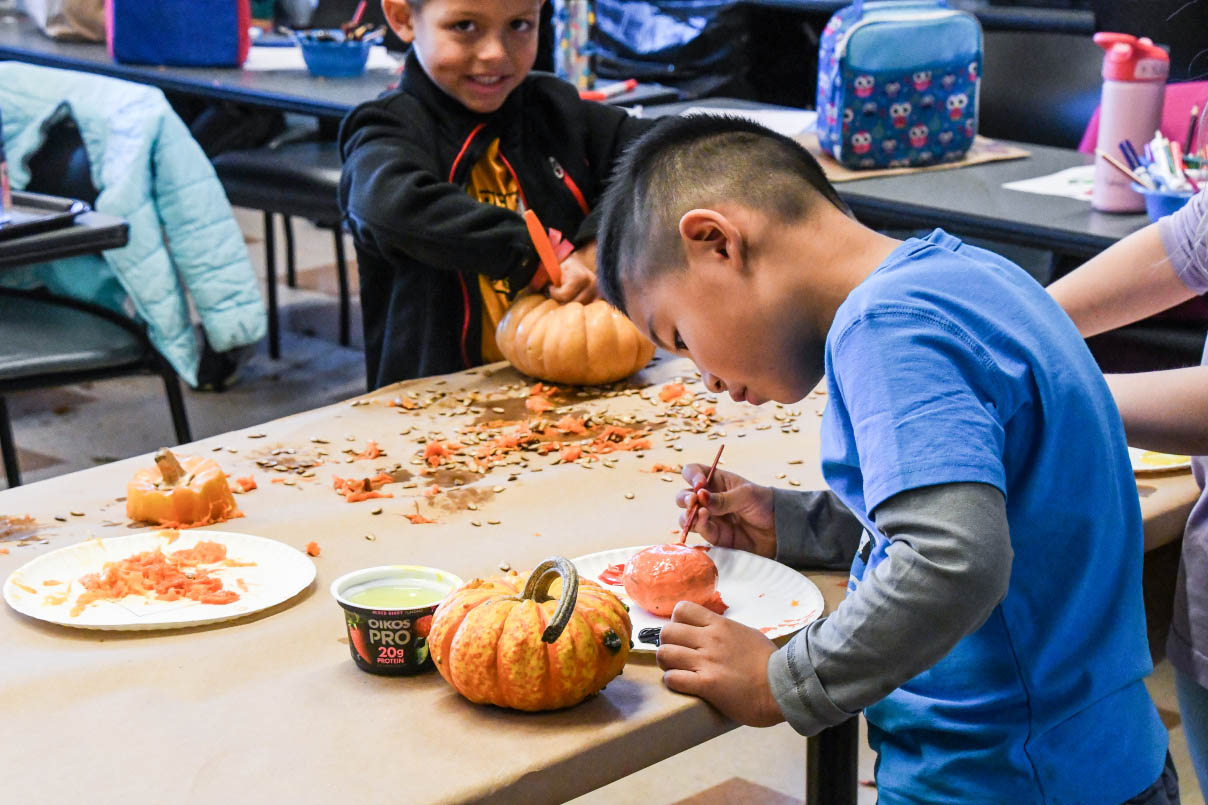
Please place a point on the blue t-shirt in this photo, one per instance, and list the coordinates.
(949, 364)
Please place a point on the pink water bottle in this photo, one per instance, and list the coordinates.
(1130, 108)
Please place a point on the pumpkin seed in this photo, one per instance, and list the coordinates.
(216, 449)
(504, 566)
(378, 510)
(492, 522)
(61, 519)
(794, 461)
(794, 482)
(370, 537)
(475, 523)
(629, 496)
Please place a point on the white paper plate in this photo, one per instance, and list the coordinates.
(1147, 462)
(760, 593)
(279, 573)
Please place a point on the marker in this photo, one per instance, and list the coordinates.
(609, 90)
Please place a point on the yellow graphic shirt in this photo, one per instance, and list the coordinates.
(492, 183)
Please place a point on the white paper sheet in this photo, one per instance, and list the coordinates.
(789, 122)
(1071, 183)
(290, 58)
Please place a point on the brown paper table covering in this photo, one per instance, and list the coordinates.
(270, 708)
(983, 150)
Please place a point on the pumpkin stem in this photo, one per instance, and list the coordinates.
(537, 589)
(169, 466)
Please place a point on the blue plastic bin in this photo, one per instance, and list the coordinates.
(334, 57)
(1160, 203)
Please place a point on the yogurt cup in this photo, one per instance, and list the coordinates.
(388, 612)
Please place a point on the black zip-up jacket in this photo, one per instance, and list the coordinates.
(421, 240)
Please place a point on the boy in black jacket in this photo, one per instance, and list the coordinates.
(437, 173)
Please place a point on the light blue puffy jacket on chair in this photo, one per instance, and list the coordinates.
(185, 246)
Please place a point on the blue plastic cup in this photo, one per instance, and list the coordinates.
(1160, 203)
(328, 55)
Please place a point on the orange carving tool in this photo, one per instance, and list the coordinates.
(545, 249)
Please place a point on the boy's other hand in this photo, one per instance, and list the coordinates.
(578, 283)
(734, 513)
(721, 661)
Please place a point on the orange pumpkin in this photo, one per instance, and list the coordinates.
(497, 642)
(584, 345)
(191, 491)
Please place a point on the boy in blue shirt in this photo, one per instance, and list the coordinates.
(994, 631)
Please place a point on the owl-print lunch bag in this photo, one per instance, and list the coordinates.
(898, 84)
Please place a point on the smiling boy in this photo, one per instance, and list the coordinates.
(437, 174)
(993, 632)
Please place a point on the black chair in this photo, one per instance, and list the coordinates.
(290, 179)
(48, 340)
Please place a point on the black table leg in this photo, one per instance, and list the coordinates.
(831, 756)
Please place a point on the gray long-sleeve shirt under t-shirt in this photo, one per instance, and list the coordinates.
(947, 568)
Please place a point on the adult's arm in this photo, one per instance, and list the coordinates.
(948, 566)
(1127, 282)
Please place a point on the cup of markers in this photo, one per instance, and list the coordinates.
(1160, 173)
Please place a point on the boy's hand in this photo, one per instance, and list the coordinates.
(734, 513)
(578, 283)
(721, 661)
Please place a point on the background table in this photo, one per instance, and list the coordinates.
(284, 90)
(971, 201)
(90, 233)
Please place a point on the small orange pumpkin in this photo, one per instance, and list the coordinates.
(497, 642)
(585, 345)
(180, 493)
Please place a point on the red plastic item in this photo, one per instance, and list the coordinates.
(1130, 58)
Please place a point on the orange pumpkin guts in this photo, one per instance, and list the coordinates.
(545, 645)
(184, 493)
(584, 345)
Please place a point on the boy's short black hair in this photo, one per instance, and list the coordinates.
(694, 161)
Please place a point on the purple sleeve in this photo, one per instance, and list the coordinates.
(1185, 238)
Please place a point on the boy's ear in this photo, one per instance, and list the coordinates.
(399, 15)
(711, 236)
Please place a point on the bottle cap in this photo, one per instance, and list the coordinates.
(1129, 58)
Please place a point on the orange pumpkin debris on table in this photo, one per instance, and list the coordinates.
(585, 345)
(180, 493)
(543, 644)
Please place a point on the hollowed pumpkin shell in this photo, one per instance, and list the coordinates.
(505, 642)
(179, 493)
(583, 345)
